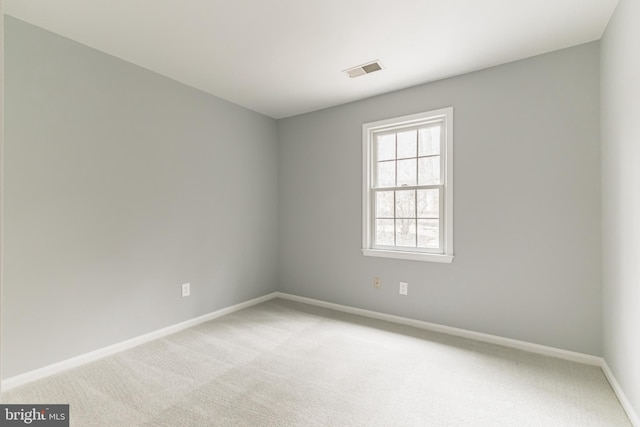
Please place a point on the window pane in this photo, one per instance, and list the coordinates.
(384, 232)
(386, 174)
(429, 233)
(386, 147)
(406, 232)
(406, 204)
(384, 204)
(429, 141)
(407, 172)
(407, 143)
(429, 170)
(429, 203)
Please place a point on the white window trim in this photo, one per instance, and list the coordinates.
(368, 129)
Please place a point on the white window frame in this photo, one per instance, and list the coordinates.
(369, 130)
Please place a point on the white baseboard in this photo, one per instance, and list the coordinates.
(478, 336)
(622, 397)
(55, 368)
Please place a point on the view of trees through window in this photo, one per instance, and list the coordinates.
(407, 187)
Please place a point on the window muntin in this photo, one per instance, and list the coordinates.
(408, 178)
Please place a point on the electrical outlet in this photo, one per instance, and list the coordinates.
(186, 289)
(404, 288)
(377, 283)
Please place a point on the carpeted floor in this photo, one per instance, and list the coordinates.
(282, 363)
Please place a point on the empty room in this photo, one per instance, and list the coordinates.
(320, 213)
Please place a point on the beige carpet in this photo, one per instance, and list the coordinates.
(282, 363)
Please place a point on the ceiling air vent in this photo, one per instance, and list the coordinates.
(363, 69)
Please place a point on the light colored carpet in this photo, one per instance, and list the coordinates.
(282, 363)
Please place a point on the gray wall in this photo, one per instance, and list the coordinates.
(1, 160)
(621, 196)
(121, 185)
(527, 204)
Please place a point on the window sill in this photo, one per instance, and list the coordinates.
(413, 256)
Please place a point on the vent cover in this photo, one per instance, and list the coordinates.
(361, 70)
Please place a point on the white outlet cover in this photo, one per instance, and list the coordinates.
(186, 289)
(403, 289)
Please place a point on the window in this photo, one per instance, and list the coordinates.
(408, 187)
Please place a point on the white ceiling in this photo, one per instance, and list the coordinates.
(285, 57)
